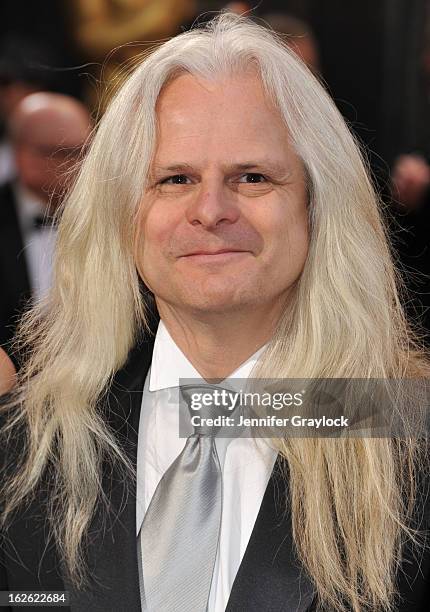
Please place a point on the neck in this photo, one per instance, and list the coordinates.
(218, 343)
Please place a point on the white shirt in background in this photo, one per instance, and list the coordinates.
(39, 243)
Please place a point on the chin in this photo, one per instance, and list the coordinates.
(217, 301)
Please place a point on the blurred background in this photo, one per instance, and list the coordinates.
(373, 56)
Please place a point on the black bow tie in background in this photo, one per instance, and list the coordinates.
(42, 221)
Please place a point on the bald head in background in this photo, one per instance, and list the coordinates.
(47, 132)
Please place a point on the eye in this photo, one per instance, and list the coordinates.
(252, 177)
(177, 179)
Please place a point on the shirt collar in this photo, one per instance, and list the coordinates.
(169, 363)
(29, 206)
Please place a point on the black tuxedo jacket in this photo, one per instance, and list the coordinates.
(270, 578)
(412, 243)
(14, 277)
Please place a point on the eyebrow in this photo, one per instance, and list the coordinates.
(269, 166)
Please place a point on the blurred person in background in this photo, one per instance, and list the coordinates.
(411, 182)
(25, 68)
(411, 214)
(239, 8)
(298, 35)
(410, 177)
(47, 132)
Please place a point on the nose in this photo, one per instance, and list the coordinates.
(213, 204)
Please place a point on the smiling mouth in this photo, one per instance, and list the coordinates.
(220, 252)
(216, 256)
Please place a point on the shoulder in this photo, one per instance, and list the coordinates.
(8, 208)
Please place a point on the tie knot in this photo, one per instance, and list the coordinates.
(204, 402)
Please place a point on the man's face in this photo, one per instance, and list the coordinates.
(223, 224)
(45, 168)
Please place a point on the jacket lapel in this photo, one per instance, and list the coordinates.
(270, 577)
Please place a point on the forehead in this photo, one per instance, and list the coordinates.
(191, 89)
(231, 112)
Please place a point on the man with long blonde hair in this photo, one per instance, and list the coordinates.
(222, 224)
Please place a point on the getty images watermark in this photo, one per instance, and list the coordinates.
(303, 407)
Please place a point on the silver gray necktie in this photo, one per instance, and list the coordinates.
(180, 532)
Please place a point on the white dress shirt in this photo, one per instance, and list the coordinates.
(246, 463)
(7, 162)
(39, 243)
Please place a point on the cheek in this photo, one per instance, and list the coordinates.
(296, 244)
(288, 239)
(50, 173)
(156, 230)
(34, 167)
